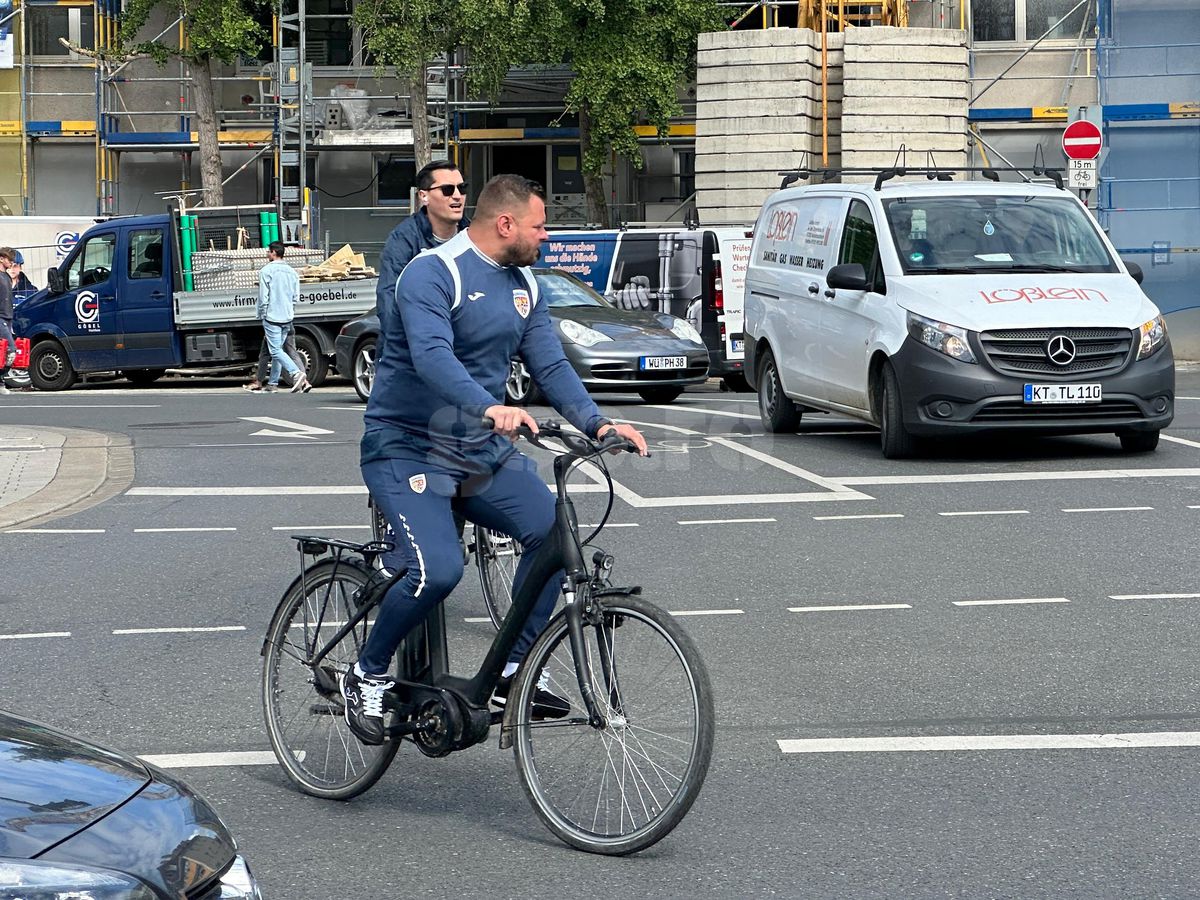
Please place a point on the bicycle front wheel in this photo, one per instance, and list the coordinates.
(623, 787)
(497, 556)
(303, 706)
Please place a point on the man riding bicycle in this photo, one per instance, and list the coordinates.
(461, 312)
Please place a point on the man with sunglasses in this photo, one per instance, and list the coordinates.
(443, 195)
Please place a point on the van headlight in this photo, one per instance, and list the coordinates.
(685, 332)
(1154, 335)
(948, 339)
(580, 334)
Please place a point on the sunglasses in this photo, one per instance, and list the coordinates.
(449, 189)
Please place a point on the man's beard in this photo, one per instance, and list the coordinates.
(516, 255)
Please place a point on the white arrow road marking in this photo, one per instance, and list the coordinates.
(295, 429)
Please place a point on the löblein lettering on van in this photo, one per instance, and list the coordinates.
(1030, 294)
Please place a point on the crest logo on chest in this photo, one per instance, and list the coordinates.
(521, 302)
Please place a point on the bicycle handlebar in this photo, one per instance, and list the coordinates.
(577, 444)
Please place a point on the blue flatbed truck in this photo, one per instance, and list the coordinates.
(118, 303)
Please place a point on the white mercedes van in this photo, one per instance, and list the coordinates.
(944, 308)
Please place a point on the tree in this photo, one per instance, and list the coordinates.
(410, 34)
(630, 59)
(214, 30)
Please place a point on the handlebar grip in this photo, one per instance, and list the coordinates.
(488, 423)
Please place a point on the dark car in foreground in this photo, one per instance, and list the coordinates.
(652, 354)
(79, 821)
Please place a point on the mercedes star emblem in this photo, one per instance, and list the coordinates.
(1060, 349)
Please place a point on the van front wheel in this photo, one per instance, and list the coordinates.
(50, 367)
(778, 413)
(897, 441)
(1138, 441)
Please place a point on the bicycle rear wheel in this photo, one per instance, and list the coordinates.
(497, 556)
(304, 711)
(621, 788)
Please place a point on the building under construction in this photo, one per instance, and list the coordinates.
(310, 128)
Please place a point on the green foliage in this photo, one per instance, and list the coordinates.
(630, 58)
(215, 29)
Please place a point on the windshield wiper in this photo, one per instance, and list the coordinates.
(1033, 267)
(944, 270)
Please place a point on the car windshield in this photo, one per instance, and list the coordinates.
(561, 289)
(988, 233)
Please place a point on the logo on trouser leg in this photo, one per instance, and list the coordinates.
(417, 483)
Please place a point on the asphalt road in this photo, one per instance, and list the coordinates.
(847, 597)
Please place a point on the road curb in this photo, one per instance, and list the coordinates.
(93, 467)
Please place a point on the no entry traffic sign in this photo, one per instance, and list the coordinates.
(1081, 140)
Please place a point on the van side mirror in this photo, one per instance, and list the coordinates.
(54, 281)
(1135, 271)
(848, 276)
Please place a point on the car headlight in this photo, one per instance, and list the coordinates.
(683, 330)
(1154, 335)
(581, 334)
(32, 880)
(948, 339)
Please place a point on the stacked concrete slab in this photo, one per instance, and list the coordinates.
(904, 86)
(758, 112)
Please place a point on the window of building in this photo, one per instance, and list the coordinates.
(1028, 20)
(49, 23)
(396, 177)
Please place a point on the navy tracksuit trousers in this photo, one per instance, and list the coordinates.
(416, 499)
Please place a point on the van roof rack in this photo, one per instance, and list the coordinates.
(931, 170)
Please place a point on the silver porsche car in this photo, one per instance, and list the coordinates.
(652, 354)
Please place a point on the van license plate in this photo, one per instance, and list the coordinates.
(739, 346)
(664, 362)
(1062, 393)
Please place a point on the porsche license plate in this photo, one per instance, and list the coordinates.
(1063, 393)
(663, 362)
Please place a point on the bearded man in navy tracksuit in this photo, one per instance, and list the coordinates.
(462, 310)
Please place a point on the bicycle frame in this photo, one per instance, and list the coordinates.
(423, 654)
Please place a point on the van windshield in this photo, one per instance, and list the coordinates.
(988, 233)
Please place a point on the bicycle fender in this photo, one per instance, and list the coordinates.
(631, 591)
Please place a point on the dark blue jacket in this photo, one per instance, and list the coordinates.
(457, 320)
(407, 239)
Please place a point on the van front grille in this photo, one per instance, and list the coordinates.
(1024, 351)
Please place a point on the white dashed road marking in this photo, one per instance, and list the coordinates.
(208, 760)
(179, 630)
(1109, 509)
(721, 521)
(799, 609)
(988, 512)
(1154, 597)
(40, 634)
(1014, 602)
(174, 530)
(993, 742)
(54, 531)
(847, 518)
(708, 612)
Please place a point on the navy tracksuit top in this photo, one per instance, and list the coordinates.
(458, 319)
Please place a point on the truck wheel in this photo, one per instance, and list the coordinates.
(363, 368)
(143, 377)
(778, 413)
(1138, 441)
(316, 366)
(896, 440)
(50, 367)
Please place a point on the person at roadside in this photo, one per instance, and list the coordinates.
(7, 255)
(278, 291)
(262, 370)
(461, 312)
(22, 286)
(443, 197)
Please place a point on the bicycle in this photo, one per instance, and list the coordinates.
(496, 557)
(615, 775)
